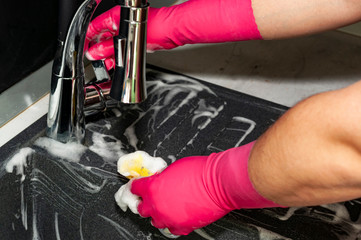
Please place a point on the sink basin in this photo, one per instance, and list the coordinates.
(51, 190)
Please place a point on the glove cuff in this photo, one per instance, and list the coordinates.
(228, 180)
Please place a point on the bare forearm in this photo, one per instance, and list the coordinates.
(312, 155)
(290, 18)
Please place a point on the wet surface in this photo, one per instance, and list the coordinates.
(51, 190)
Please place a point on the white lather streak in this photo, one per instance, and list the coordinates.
(248, 131)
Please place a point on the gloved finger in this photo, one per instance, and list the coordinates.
(157, 224)
(100, 50)
(140, 186)
(106, 22)
(102, 37)
(144, 209)
(109, 63)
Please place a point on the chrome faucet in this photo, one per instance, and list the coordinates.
(71, 99)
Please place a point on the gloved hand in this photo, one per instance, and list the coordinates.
(195, 21)
(196, 191)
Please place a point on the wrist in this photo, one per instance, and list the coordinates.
(229, 182)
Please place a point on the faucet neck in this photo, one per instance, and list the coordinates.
(68, 61)
(132, 3)
(66, 121)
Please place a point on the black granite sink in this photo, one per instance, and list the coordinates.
(69, 194)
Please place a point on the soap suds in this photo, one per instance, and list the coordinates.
(134, 165)
(23, 208)
(71, 151)
(265, 234)
(36, 235)
(56, 225)
(81, 226)
(172, 158)
(208, 113)
(126, 199)
(131, 136)
(203, 234)
(106, 146)
(116, 112)
(18, 162)
(123, 232)
(290, 212)
(140, 164)
(110, 151)
(248, 131)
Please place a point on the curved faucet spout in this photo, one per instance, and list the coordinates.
(68, 61)
(66, 116)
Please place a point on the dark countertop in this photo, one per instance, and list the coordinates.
(68, 194)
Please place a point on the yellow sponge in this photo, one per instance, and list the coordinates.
(140, 164)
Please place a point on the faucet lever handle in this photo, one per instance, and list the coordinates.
(100, 71)
(119, 50)
(129, 80)
(118, 77)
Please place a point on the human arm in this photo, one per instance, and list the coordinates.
(284, 18)
(310, 156)
(212, 21)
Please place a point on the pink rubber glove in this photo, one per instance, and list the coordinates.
(196, 191)
(195, 21)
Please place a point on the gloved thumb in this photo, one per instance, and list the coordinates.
(139, 186)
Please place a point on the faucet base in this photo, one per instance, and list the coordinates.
(66, 120)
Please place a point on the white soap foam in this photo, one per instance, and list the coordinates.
(172, 158)
(23, 208)
(71, 151)
(289, 213)
(132, 137)
(203, 234)
(337, 214)
(56, 224)
(36, 235)
(116, 112)
(249, 130)
(170, 89)
(111, 150)
(152, 164)
(81, 227)
(265, 234)
(18, 162)
(123, 232)
(208, 113)
(125, 198)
